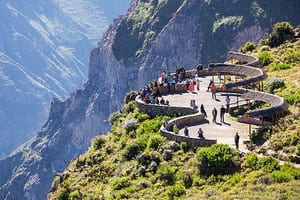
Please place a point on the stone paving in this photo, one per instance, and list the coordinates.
(223, 132)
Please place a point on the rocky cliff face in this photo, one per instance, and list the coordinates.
(44, 50)
(135, 49)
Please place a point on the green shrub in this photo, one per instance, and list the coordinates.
(267, 163)
(175, 129)
(280, 66)
(150, 126)
(99, 142)
(234, 179)
(133, 149)
(265, 57)
(250, 161)
(129, 108)
(282, 32)
(63, 194)
(290, 169)
(121, 183)
(217, 159)
(293, 98)
(155, 141)
(166, 173)
(184, 146)
(292, 57)
(75, 195)
(248, 46)
(187, 179)
(114, 118)
(175, 191)
(275, 83)
(280, 176)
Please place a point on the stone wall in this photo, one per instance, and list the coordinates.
(250, 60)
(157, 110)
(187, 121)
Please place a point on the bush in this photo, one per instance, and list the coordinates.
(155, 141)
(187, 179)
(63, 194)
(280, 177)
(250, 161)
(293, 98)
(248, 46)
(133, 149)
(75, 195)
(99, 142)
(217, 159)
(265, 57)
(114, 118)
(292, 57)
(120, 183)
(129, 108)
(150, 126)
(298, 150)
(166, 174)
(175, 129)
(275, 83)
(175, 191)
(184, 146)
(280, 66)
(267, 163)
(282, 32)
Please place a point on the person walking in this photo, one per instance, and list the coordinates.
(203, 111)
(186, 131)
(237, 140)
(209, 85)
(222, 113)
(214, 113)
(227, 103)
(213, 89)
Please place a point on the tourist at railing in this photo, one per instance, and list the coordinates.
(202, 110)
(214, 114)
(157, 101)
(152, 100)
(186, 131)
(162, 101)
(166, 125)
(193, 104)
(200, 134)
(222, 113)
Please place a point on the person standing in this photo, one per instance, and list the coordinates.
(198, 84)
(214, 113)
(213, 89)
(186, 131)
(227, 103)
(222, 113)
(237, 140)
(200, 134)
(203, 111)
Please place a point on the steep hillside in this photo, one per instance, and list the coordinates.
(191, 29)
(44, 50)
(134, 162)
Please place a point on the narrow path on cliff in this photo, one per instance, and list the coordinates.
(223, 132)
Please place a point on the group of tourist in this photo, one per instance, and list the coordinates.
(222, 114)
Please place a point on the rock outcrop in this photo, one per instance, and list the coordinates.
(194, 31)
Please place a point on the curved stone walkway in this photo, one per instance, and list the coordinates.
(223, 132)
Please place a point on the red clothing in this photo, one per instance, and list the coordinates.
(191, 87)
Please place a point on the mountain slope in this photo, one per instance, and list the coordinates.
(193, 33)
(44, 48)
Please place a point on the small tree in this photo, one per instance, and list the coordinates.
(282, 32)
(248, 46)
(217, 159)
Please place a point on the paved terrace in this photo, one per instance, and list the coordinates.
(223, 132)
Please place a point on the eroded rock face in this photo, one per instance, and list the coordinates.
(194, 34)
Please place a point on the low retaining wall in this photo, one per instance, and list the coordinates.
(157, 110)
(187, 121)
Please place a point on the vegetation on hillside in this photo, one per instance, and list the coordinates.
(280, 53)
(134, 162)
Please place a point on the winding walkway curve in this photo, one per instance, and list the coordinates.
(251, 73)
